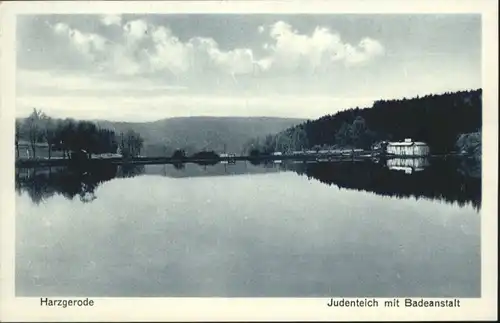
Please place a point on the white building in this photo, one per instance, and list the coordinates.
(408, 148)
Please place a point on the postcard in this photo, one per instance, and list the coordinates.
(249, 160)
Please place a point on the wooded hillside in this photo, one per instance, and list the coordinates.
(437, 119)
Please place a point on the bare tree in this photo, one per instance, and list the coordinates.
(131, 143)
(48, 132)
(33, 129)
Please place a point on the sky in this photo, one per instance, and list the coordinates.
(154, 66)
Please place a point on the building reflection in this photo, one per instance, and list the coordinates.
(407, 165)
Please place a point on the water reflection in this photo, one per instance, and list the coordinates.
(256, 231)
(43, 182)
(408, 165)
(448, 180)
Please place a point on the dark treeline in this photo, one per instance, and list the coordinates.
(438, 120)
(443, 179)
(66, 136)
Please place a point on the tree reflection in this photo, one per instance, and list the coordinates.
(43, 182)
(130, 170)
(447, 180)
(206, 162)
(255, 161)
(452, 180)
(179, 166)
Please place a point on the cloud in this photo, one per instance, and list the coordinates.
(109, 20)
(169, 52)
(367, 49)
(291, 50)
(144, 48)
(135, 30)
(87, 44)
(76, 63)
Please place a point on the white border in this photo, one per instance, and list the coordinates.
(248, 309)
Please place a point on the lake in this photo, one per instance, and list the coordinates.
(294, 229)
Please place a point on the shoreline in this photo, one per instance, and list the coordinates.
(364, 155)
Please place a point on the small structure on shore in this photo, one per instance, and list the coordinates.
(407, 147)
(227, 158)
(227, 155)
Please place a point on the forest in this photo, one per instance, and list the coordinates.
(437, 119)
(39, 132)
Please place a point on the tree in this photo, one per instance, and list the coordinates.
(470, 144)
(48, 132)
(33, 129)
(105, 141)
(299, 138)
(283, 142)
(69, 135)
(252, 144)
(357, 131)
(17, 136)
(179, 154)
(269, 144)
(254, 152)
(131, 143)
(85, 138)
(66, 136)
(342, 137)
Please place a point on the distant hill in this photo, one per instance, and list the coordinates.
(198, 133)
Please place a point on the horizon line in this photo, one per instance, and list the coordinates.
(414, 97)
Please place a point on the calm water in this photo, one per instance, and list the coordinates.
(320, 229)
